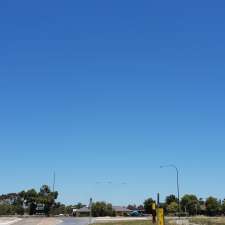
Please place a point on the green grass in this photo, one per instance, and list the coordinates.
(209, 221)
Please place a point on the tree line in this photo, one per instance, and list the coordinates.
(28, 202)
(189, 205)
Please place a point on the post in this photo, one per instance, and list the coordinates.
(153, 213)
(90, 207)
(160, 216)
(53, 186)
(178, 185)
(178, 190)
(158, 199)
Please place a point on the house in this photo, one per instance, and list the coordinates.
(121, 211)
(8, 199)
(84, 211)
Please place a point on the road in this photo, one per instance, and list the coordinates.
(53, 221)
(29, 221)
(74, 221)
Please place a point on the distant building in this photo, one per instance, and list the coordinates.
(8, 199)
(121, 211)
(85, 211)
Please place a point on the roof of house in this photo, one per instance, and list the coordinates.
(84, 209)
(120, 209)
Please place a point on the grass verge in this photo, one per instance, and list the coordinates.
(208, 221)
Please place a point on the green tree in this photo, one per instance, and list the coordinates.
(148, 205)
(223, 206)
(32, 208)
(172, 208)
(170, 199)
(202, 208)
(58, 209)
(30, 196)
(69, 210)
(6, 209)
(46, 197)
(79, 205)
(19, 210)
(190, 204)
(213, 206)
(45, 190)
(102, 209)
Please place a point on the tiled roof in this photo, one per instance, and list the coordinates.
(120, 209)
(84, 209)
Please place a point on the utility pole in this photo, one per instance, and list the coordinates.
(53, 185)
(90, 208)
(178, 185)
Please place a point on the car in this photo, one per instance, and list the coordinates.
(136, 214)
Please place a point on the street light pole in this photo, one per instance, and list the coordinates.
(178, 185)
(53, 185)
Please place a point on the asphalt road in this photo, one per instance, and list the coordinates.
(29, 221)
(66, 221)
(75, 221)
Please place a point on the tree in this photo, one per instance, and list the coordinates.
(19, 210)
(170, 199)
(45, 190)
(190, 204)
(172, 208)
(223, 206)
(13, 203)
(32, 208)
(102, 209)
(6, 209)
(202, 208)
(79, 205)
(148, 205)
(212, 206)
(46, 197)
(69, 210)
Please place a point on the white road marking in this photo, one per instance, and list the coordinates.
(9, 222)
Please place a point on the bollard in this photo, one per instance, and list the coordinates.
(160, 216)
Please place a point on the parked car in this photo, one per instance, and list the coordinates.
(136, 214)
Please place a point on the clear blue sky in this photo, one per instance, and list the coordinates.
(109, 91)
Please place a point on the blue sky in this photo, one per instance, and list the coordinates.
(108, 91)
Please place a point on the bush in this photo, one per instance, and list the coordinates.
(102, 209)
(6, 209)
